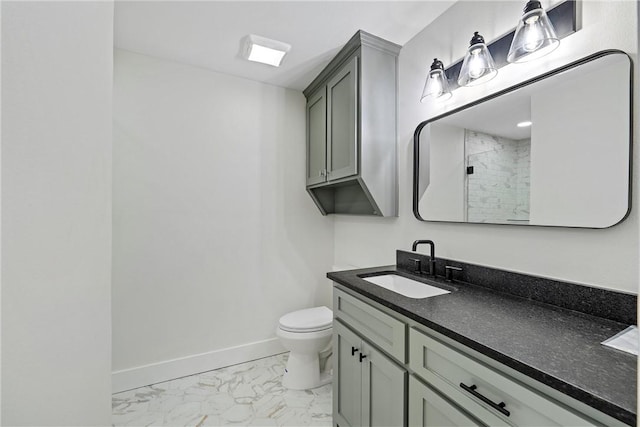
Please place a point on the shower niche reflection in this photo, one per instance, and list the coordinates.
(552, 151)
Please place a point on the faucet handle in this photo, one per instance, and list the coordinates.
(417, 264)
(448, 272)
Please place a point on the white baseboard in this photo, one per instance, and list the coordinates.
(140, 376)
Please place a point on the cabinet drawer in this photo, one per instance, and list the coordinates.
(387, 332)
(447, 369)
(428, 409)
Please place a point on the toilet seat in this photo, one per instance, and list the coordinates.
(307, 320)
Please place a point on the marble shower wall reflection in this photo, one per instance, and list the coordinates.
(497, 190)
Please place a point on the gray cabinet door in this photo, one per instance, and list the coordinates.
(429, 409)
(383, 390)
(347, 377)
(317, 138)
(342, 119)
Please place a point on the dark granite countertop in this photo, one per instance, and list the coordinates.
(555, 346)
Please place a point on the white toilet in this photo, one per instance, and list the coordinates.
(307, 335)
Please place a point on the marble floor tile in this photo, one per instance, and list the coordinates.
(249, 394)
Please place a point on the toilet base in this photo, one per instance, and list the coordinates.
(303, 372)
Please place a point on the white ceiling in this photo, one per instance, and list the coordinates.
(208, 33)
(498, 116)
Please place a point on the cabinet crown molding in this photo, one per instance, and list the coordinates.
(359, 39)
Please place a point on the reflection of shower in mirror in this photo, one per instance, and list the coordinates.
(498, 189)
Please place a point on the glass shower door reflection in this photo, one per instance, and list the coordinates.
(497, 188)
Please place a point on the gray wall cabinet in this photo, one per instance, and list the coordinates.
(414, 376)
(351, 130)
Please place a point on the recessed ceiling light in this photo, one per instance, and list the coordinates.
(524, 124)
(264, 50)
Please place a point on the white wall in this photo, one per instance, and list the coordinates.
(0, 227)
(445, 197)
(56, 218)
(214, 235)
(606, 258)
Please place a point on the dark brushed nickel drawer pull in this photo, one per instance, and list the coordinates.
(353, 350)
(497, 406)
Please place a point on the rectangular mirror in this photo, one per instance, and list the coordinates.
(551, 151)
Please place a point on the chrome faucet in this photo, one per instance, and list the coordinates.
(432, 261)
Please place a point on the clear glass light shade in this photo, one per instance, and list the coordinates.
(436, 87)
(477, 67)
(534, 37)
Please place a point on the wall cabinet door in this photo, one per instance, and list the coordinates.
(369, 389)
(317, 138)
(342, 119)
(428, 409)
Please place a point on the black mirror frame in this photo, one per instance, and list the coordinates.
(600, 54)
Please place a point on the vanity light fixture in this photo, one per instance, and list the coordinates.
(562, 17)
(264, 50)
(534, 36)
(437, 85)
(524, 124)
(478, 66)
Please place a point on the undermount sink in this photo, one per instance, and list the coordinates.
(405, 286)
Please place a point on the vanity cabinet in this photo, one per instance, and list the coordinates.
(387, 365)
(490, 396)
(370, 386)
(369, 377)
(427, 408)
(351, 130)
(378, 327)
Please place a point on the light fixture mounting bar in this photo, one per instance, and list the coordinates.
(564, 17)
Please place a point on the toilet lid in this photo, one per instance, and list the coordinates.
(307, 320)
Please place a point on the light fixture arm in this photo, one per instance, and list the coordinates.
(532, 5)
(436, 65)
(477, 38)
